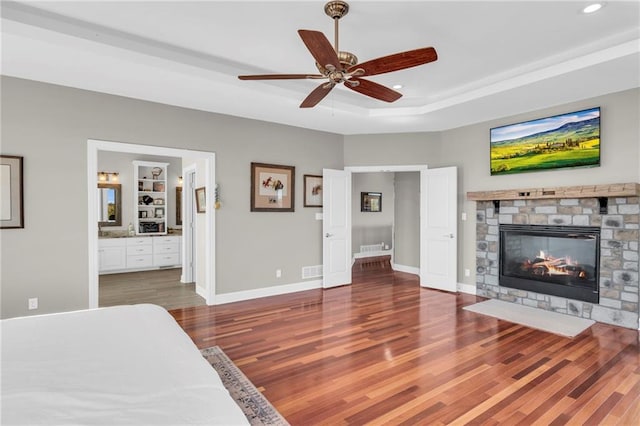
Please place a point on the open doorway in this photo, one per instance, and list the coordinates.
(438, 224)
(206, 221)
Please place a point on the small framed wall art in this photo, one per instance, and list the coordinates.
(272, 188)
(11, 192)
(371, 201)
(201, 199)
(312, 191)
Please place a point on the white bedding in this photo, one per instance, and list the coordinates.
(119, 365)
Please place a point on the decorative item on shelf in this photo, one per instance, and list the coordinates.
(108, 176)
(156, 172)
(158, 186)
(217, 197)
(147, 199)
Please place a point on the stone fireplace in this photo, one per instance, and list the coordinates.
(604, 288)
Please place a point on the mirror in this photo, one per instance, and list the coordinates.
(109, 204)
(178, 205)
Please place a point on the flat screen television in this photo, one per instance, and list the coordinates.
(560, 141)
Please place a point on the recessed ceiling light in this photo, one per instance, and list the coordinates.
(592, 8)
(397, 86)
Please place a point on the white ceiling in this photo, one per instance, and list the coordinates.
(496, 58)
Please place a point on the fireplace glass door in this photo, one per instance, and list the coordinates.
(557, 260)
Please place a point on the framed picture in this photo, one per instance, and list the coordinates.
(272, 188)
(158, 186)
(371, 201)
(11, 192)
(158, 201)
(201, 200)
(312, 191)
(159, 213)
(560, 141)
(178, 205)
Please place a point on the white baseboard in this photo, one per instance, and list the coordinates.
(373, 254)
(407, 269)
(239, 296)
(467, 288)
(201, 292)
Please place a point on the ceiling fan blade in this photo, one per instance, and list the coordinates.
(397, 61)
(317, 95)
(279, 76)
(374, 90)
(320, 48)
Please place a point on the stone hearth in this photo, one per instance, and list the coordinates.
(619, 258)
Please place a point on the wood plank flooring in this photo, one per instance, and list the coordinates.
(161, 287)
(385, 351)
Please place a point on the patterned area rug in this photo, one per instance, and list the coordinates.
(255, 406)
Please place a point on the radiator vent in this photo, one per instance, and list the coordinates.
(312, 271)
(372, 248)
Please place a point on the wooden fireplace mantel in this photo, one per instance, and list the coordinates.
(583, 191)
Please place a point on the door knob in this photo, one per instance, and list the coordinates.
(449, 235)
(328, 235)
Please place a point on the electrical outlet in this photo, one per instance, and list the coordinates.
(464, 215)
(467, 273)
(278, 273)
(33, 303)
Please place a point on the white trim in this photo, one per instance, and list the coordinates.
(95, 145)
(373, 169)
(187, 244)
(407, 269)
(239, 296)
(467, 288)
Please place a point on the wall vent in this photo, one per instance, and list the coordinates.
(311, 271)
(372, 248)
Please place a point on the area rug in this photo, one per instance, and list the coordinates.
(552, 322)
(254, 405)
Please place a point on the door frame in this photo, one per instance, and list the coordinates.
(96, 145)
(188, 254)
(421, 168)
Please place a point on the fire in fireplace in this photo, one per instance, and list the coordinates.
(557, 260)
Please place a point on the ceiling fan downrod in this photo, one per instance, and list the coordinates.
(336, 10)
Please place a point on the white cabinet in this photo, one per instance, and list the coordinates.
(166, 251)
(138, 253)
(112, 254)
(150, 197)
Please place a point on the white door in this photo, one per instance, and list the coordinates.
(438, 233)
(336, 228)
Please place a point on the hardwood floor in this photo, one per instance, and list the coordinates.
(161, 287)
(385, 351)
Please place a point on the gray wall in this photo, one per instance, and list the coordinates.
(372, 227)
(49, 125)
(468, 149)
(407, 219)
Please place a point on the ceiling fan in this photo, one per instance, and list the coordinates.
(342, 67)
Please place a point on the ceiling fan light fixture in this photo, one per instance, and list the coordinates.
(397, 86)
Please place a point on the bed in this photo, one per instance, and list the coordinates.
(119, 365)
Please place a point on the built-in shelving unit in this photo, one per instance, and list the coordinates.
(150, 197)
